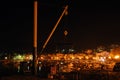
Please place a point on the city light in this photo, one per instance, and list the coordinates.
(117, 57)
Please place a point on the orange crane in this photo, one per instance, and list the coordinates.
(54, 28)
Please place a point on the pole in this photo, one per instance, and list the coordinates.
(66, 7)
(35, 40)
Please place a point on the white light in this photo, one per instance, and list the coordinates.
(102, 59)
(61, 63)
(6, 58)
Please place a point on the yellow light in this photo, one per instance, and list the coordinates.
(80, 58)
(73, 57)
(86, 57)
(117, 57)
(95, 58)
(56, 58)
(31, 57)
(109, 57)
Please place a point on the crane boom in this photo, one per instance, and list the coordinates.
(54, 28)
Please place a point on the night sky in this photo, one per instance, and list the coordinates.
(89, 24)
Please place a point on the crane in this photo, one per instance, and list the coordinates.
(54, 28)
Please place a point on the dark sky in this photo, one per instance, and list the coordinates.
(89, 24)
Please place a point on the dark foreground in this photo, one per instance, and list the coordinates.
(50, 72)
(82, 75)
(19, 77)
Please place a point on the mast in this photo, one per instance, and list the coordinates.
(35, 40)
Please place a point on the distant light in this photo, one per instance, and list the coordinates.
(65, 32)
(109, 57)
(39, 62)
(71, 50)
(28, 62)
(86, 57)
(39, 68)
(19, 56)
(95, 58)
(63, 50)
(27, 57)
(117, 57)
(42, 58)
(31, 57)
(18, 69)
(61, 63)
(6, 57)
(102, 59)
(28, 67)
(73, 57)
